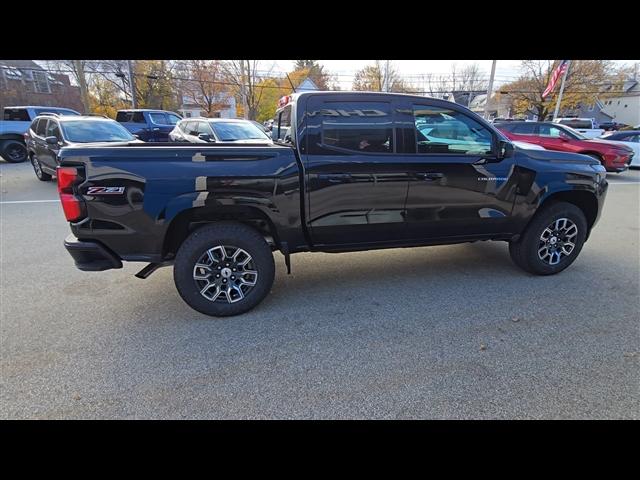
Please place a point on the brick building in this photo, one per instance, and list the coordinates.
(24, 82)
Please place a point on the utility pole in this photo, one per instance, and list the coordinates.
(564, 77)
(134, 100)
(385, 86)
(83, 85)
(243, 91)
(490, 89)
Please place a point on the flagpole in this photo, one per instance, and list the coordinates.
(564, 77)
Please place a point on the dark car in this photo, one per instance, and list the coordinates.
(554, 136)
(148, 125)
(48, 133)
(207, 130)
(347, 171)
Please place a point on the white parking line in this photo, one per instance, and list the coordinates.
(29, 201)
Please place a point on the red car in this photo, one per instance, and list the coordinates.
(553, 136)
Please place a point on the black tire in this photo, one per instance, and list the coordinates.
(234, 235)
(37, 168)
(524, 252)
(14, 151)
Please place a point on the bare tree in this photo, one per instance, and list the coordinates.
(245, 77)
(373, 77)
(204, 85)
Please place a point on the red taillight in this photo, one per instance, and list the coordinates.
(66, 178)
(73, 206)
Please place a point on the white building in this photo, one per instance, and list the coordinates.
(626, 108)
(190, 109)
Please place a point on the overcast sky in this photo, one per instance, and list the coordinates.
(506, 70)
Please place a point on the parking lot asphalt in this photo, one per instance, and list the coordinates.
(435, 332)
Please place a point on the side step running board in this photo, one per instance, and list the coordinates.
(152, 267)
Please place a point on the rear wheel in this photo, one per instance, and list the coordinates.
(42, 176)
(552, 241)
(14, 151)
(224, 269)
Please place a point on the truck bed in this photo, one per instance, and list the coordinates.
(155, 186)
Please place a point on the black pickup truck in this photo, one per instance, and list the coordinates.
(347, 171)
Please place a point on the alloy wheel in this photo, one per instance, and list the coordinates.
(225, 273)
(557, 241)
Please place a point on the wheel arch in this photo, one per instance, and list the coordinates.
(185, 222)
(11, 136)
(584, 200)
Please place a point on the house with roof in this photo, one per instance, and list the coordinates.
(225, 107)
(626, 107)
(307, 85)
(623, 108)
(24, 82)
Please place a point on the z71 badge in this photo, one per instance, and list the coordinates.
(105, 190)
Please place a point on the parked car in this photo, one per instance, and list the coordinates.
(48, 133)
(355, 174)
(585, 126)
(629, 138)
(206, 130)
(15, 123)
(148, 125)
(611, 126)
(555, 136)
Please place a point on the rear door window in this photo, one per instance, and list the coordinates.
(363, 127)
(41, 128)
(124, 117)
(138, 117)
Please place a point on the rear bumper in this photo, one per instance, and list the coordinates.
(91, 256)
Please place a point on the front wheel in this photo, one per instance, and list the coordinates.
(224, 269)
(552, 241)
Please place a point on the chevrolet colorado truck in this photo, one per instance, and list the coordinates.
(347, 171)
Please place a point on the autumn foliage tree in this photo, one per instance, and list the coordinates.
(202, 83)
(586, 81)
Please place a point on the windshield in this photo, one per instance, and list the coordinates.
(86, 131)
(231, 131)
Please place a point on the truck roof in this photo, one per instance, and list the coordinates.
(41, 106)
(295, 96)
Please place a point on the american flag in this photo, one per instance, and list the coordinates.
(557, 73)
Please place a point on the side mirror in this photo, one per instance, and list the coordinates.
(137, 136)
(205, 136)
(563, 138)
(505, 149)
(51, 140)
